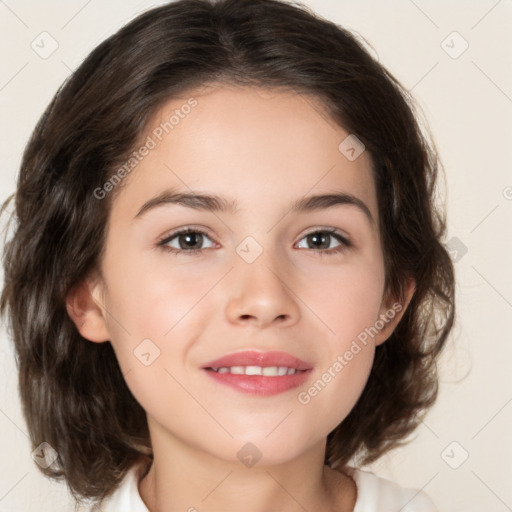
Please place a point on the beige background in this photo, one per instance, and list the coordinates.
(467, 101)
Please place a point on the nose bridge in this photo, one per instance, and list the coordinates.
(258, 289)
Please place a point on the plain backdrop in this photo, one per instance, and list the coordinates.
(456, 58)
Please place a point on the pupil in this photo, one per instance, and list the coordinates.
(316, 237)
(190, 237)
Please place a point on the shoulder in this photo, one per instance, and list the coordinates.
(126, 497)
(377, 494)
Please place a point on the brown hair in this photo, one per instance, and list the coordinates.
(73, 393)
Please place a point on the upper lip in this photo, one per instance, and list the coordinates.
(254, 358)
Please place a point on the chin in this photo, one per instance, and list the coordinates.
(264, 450)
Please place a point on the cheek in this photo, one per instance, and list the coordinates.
(150, 296)
(349, 308)
(150, 333)
(348, 300)
(154, 318)
(337, 386)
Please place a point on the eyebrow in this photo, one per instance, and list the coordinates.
(214, 203)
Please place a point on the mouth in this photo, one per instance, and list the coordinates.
(260, 373)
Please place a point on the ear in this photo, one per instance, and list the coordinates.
(85, 308)
(391, 313)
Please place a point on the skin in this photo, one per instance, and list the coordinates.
(265, 149)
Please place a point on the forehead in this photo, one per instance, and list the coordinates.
(249, 145)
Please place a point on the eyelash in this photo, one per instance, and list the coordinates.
(344, 242)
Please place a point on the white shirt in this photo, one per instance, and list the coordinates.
(374, 494)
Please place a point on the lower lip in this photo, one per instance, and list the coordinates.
(260, 384)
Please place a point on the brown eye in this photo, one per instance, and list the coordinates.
(319, 240)
(187, 241)
(190, 240)
(324, 240)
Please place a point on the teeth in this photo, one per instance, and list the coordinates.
(253, 370)
(267, 371)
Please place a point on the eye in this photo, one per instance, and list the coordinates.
(190, 241)
(186, 241)
(322, 239)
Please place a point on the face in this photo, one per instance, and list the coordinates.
(266, 274)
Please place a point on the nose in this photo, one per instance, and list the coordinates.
(261, 294)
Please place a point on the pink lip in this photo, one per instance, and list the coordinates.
(259, 384)
(253, 358)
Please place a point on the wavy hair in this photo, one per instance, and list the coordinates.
(72, 391)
